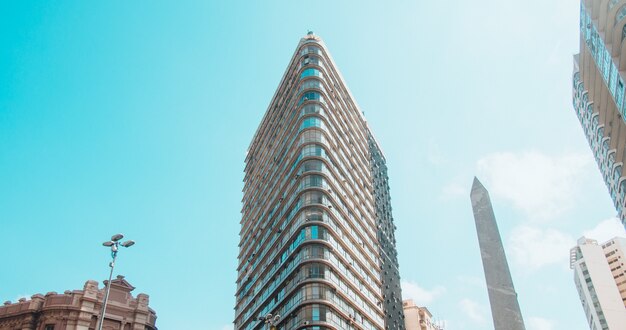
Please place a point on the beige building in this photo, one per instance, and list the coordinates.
(599, 87)
(79, 310)
(601, 281)
(418, 318)
(317, 242)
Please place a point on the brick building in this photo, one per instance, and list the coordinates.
(80, 309)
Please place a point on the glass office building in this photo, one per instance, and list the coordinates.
(317, 247)
(598, 90)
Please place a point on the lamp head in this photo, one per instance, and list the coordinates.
(128, 243)
(117, 237)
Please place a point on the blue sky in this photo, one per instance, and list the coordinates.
(135, 117)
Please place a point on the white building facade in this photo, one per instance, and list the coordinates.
(599, 276)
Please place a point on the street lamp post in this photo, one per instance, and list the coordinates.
(114, 243)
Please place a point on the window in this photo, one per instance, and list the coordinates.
(49, 327)
(310, 73)
(311, 122)
(619, 94)
(313, 197)
(621, 13)
(306, 60)
(312, 165)
(612, 3)
(311, 83)
(310, 96)
(312, 181)
(315, 271)
(311, 108)
(310, 50)
(312, 150)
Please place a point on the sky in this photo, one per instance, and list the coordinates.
(135, 117)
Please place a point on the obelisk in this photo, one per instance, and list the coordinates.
(502, 297)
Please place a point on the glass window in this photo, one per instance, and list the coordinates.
(310, 50)
(613, 82)
(621, 13)
(311, 108)
(312, 181)
(607, 64)
(316, 271)
(617, 174)
(613, 3)
(310, 72)
(313, 197)
(311, 136)
(619, 98)
(306, 60)
(310, 96)
(312, 165)
(312, 150)
(310, 83)
(311, 122)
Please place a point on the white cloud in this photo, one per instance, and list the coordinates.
(434, 154)
(532, 248)
(421, 296)
(227, 327)
(543, 186)
(453, 190)
(473, 281)
(473, 310)
(538, 323)
(606, 230)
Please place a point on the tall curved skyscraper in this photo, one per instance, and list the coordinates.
(317, 246)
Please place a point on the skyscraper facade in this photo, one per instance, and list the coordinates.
(317, 247)
(600, 279)
(598, 90)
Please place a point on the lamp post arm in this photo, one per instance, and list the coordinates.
(106, 293)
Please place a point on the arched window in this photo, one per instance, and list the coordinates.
(617, 174)
(605, 147)
(613, 3)
(621, 13)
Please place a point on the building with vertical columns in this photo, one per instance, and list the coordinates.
(317, 244)
(600, 278)
(80, 310)
(598, 90)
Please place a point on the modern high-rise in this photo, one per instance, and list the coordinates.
(600, 278)
(317, 247)
(598, 90)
